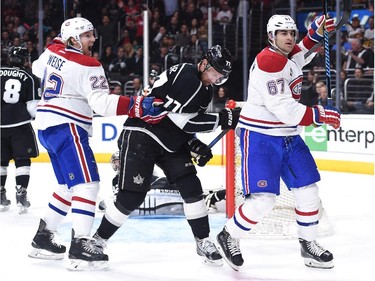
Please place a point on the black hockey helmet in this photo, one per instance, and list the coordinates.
(221, 60)
(18, 56)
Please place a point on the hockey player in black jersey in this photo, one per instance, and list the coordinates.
(19, 97)
(187, 91)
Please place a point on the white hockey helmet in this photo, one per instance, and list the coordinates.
(280, 22)
(74, 27)
(115, 161)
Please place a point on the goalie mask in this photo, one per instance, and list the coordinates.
(221, 60)
(115, 161)
(18, 56)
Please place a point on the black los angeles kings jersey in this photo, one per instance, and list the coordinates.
(18, 87)
(187, 100)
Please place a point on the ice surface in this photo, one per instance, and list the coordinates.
(164, 249)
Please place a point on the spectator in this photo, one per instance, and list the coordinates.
(131, 8)
(159, 57)
(321, 89)
(137, 84)
(220, 98)
(156, 42)
(225, 14)
(6, 43)
(117, 90)
(173, 26)
(135, 63)
(203, 37)
(128, 50)
(193, 51)
(190, 13)
(345, 46)
(183, 37)
(358, 56)
(19, 26)
(369, 106)
(193, 26)
(319, 61)
(358, 91)
(369, 32)
(125, 38)
(117, 68)
(354, 28)
(33, 52)
(106, 31)
(309, 95)
(106, 58)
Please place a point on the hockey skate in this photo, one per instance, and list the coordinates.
(207, 250)
(21, 198)
(44, 246)
(87, 254)
(4, 202)
(315, 255)
(229, 248)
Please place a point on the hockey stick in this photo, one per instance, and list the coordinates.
(218, 137)
(65, 9)
(327, 56)
(344, 19)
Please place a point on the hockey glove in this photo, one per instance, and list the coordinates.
(326, 115)
(228, 118)
(199, 151)
(149, 109)
(315, 31)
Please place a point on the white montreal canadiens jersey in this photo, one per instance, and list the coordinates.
(274, 90)
(74, 85)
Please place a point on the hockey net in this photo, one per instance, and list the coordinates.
(280, 223)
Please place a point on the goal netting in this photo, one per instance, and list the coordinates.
(281, 222)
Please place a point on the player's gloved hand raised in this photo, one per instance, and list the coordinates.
(315, 30)
(199, 151)
(326, 115)
(149, 109)
(228, 118)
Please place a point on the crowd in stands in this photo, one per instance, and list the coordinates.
(178, 32)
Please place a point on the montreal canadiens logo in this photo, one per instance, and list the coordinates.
(296, 88)
(262, 183)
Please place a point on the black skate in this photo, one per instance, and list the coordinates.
(86, 254)
(4, 202)
(21, 198)
(315, 255)
(44, 245)
(229, 248)
(207, 250)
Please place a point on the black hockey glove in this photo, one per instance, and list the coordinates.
(228, 118)
(200, 152)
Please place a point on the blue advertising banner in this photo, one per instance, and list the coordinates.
(304, 18)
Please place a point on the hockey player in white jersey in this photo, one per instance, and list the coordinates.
(75, 85)
(271, 147)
